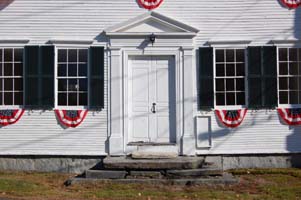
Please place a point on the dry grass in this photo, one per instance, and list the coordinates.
(254, 184)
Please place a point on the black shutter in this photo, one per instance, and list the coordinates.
(254, 77)
(262, 77)
(96, 93)
(39, 76)
(205, 78)
(47, 76)
(31, 76)
(270, 76)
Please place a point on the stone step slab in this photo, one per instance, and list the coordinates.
(152, 164)
(144, 175)
(194, 173)
(105, 174)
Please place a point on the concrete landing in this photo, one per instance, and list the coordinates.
(153, 164)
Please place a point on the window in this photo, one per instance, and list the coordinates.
(72, 77)
(289, 75)
(230, 77)
(11, 76)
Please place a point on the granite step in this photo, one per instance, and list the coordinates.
(152, 164)
(105, 174)
(194, 173)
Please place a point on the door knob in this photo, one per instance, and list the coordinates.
(153, 108)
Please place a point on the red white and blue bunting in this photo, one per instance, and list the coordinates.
(8, 117)
(71, 118)
(150, 4)
(292, 116)
(231, 118)
(291, 3)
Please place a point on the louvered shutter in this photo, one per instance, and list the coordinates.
(205, 78)
(96, 94)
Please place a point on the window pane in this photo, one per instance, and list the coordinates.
(293, 68)
(8, 84)
(18, 84)
(293, 97)
(72, 55)
(18, 98)
(18, 69)
(230, 98)
(72, 85)
(1, 69)
(230, 70)
(83, 55)
(82, 70)
(230, 85)
(83, 99)
(283, 97)
(240, 98)
(240, 69)
(220, 85)
(240, 84)
(283, 68)
(8, 98)
(1, 98)
(8, 55)
(1, 84)
(299, 88)
(283, 54)
(299, 54)
(1, 55)
(18, 55)
(219, 57)
(62, 85)
(72, 99)
(293, 83)
(62, 55)
(220, 99)
(240, 55)
(8, 69)
(283, 83)
(83, 85)
(72, 70)
(220, 70)
(62, 70)
(293, 54)
(230, 55)
(62, 99)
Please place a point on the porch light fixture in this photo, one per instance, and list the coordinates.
(152, 38)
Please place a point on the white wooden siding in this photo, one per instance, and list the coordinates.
(42, 20)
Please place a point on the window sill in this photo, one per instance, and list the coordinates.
(229, 107)
(289, 106)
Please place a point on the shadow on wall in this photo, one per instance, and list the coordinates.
(5, 3)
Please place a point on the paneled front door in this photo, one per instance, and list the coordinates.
(152, 99)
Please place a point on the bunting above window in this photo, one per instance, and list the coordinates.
(292, 116)
(71, 118)
(291, 3)
(150, 4)
(231, 118)
(8, 117)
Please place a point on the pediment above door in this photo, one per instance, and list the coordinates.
(152, 22)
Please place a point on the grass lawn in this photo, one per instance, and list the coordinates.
(254, 184)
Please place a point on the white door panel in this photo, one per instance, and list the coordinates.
(152, 100)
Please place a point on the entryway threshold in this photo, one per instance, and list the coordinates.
(151, 144)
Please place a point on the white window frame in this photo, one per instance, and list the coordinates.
(230, 107)
(56, 92)
(13, 77)
(287, 76)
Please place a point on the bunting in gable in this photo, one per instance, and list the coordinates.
(291, 3)
(8, 117)
(150, 4)
(292, 116)
(231, 118)
(71, 118)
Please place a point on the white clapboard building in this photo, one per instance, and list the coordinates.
(89, 78)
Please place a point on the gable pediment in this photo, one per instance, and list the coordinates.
(152, 22)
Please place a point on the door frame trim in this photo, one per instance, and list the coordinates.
(176, 54)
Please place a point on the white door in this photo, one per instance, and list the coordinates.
(152, 99)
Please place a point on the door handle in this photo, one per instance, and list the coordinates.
(153, 108)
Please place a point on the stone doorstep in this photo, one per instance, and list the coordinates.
(153, 155)
(144, 174)
(152, 164)
(223, 180)
(194, 173)
(105, 174)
